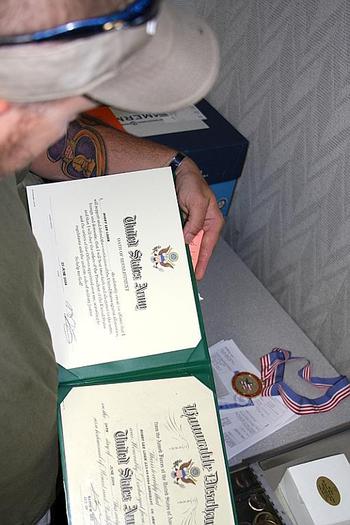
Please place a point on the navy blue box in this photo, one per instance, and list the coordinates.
(220, 152)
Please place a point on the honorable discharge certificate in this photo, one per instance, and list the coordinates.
(130, 458)
(117, 282)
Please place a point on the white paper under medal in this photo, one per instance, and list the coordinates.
(132, 458)
(117, 282)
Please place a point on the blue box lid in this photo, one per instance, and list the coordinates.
(219, 150)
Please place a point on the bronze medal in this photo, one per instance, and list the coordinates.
(246, 384)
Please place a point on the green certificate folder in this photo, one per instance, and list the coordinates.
(140, 437)
(119, 294)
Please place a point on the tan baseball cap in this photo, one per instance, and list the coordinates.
(159, 66)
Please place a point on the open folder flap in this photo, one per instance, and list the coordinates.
(202, 372)
(166, 451)
(119, 288)
(147, 365)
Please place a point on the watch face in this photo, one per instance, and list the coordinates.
(246, 384)
(176, 161)
(222, 203)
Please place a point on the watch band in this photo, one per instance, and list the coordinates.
(176, 161)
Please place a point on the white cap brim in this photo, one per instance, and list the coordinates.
(129, 69)
(176, 68)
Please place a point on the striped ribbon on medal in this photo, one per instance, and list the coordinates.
(272, 374)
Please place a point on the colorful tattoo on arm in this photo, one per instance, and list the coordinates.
(82, 151)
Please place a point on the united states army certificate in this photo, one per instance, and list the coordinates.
(132, 459)
(117, 281)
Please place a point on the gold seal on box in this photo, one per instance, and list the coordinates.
(328, 491)
(246, 384)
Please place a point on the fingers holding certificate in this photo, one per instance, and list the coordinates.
(199, 204)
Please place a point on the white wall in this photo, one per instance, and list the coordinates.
(284, 83)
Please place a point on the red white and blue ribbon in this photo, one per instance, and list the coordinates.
(272, 374)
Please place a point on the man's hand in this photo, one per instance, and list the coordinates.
(199, 204)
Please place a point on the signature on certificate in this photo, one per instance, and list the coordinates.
(95, 506)
(69, 324)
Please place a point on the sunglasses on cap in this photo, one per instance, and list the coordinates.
(136, 14)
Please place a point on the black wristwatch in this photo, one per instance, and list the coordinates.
(176, 161)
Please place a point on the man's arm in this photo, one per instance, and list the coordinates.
(91, 148)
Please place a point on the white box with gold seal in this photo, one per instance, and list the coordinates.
(317, 492)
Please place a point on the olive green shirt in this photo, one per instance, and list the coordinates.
(28, 372)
